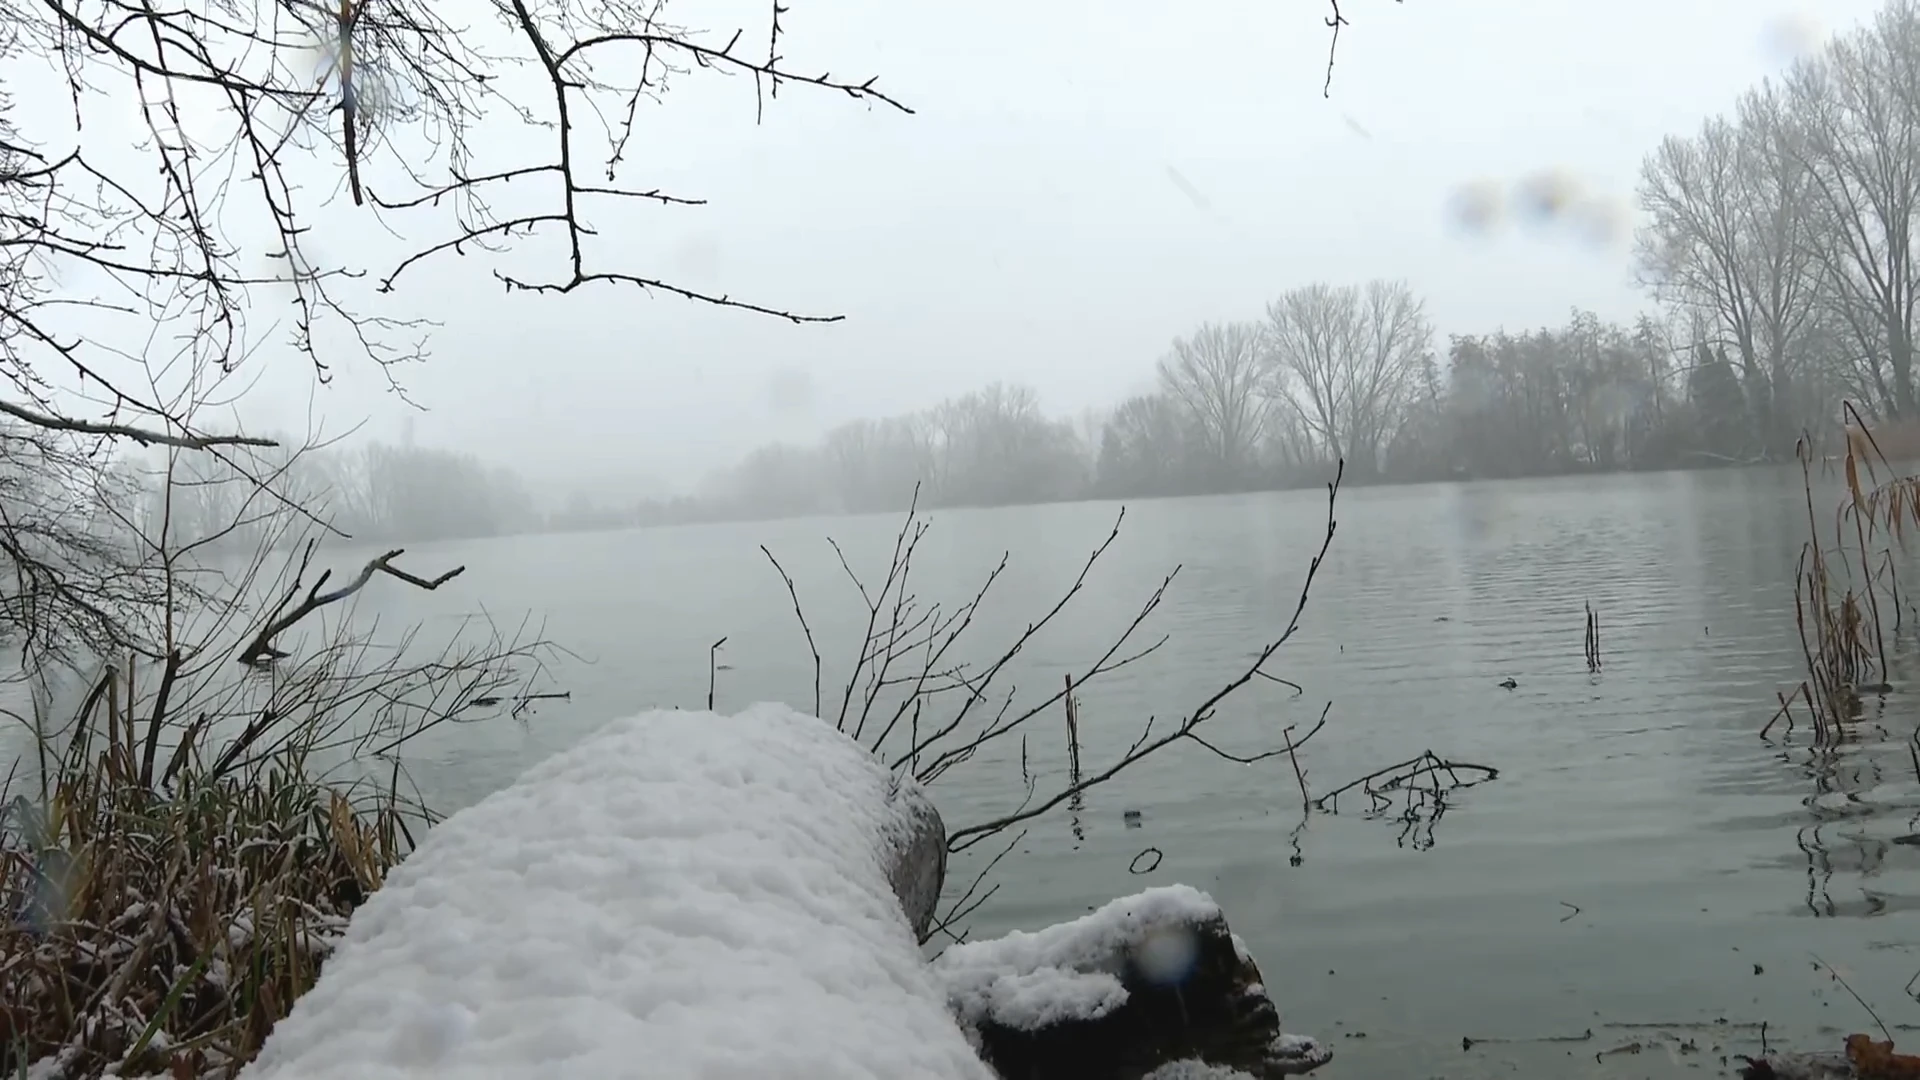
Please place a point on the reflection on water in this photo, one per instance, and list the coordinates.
(1643, 858)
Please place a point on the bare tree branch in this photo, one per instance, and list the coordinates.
(261, 650)
(965, 837)
(143, 436)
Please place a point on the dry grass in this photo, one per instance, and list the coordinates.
(166, 932)
(175, 875)
(1847, 599)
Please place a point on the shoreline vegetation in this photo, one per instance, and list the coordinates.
(1848, 606)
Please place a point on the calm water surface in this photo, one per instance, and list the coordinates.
(1645, 867)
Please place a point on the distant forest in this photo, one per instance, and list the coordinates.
(1778, 250)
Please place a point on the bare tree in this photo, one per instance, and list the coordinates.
(1217, 375)
(1345, 359)
(1311, 335)
(229, 99)
(1779, 218)
(139, 275)
(1729, 235)
(1856, 132)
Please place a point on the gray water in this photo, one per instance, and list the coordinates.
(1645, 867)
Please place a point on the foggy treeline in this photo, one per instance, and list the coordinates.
(1777, 251)
(370, 491)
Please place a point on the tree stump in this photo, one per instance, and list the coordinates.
(1146, 981)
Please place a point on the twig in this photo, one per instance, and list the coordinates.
(1334, 22)
(966, 904)
(963, 838)
(1427, 763)
(794, 595)
(1836, 976)
(713, 668)
(143, 436)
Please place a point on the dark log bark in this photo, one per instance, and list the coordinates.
(917, 868)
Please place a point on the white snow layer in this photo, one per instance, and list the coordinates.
(1193, 1069)
(1027, 980)
(682, 894)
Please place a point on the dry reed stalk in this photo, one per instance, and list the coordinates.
(1839, 606)
(1593, 640)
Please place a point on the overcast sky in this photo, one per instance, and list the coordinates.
(1080, 183)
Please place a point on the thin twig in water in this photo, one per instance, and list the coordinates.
(713, 669)
(794, 595)
(967, 836)
(1836, 976)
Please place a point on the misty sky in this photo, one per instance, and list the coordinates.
(1081, 183)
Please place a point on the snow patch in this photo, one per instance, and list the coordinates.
(1298, 1048)
(682, 894)
(1008, 979)
(1194, 1069)
(1032, 1000)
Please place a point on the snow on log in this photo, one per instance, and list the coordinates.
(1151, 985)
(682, 894)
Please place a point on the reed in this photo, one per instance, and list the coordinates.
(1593, 640)
(175, 875)
(1847, 598)
(181, 849)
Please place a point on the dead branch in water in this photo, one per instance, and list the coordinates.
(1786, 712)
(1187, 729)
(930, 708)
(1423, 785)
(916, 693)
(260, 650)
(1427, 766)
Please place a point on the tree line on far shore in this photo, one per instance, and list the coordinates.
(1332, 373)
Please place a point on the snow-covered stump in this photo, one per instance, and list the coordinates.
(682, 894)
(1139, 988)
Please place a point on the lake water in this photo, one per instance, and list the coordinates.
(1645, 868)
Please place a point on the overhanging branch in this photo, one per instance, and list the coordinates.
(261, 650)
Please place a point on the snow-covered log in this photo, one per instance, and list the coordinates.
(1152, 985)
(680, 895)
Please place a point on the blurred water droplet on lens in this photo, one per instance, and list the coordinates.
(1546, 195)
(1166, 955)
(1475, 206)
(1602, 222)
(1791, 37)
